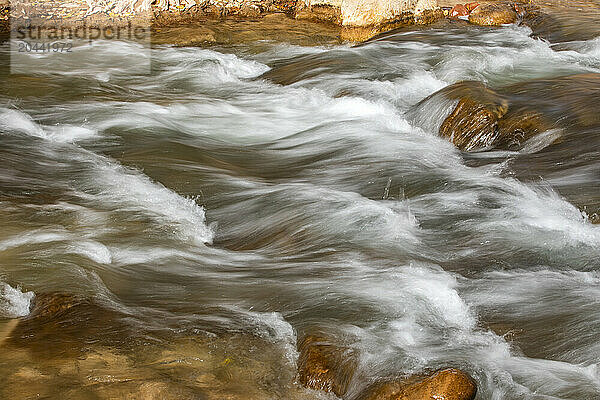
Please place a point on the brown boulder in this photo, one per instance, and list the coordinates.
(448, 384)
(506, 118)
(481, 118)
(249, 11)
(67, 321)
(518, 126)
(325, 366)
(473, 124)
(493, 15)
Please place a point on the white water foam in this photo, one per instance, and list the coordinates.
(272, 327)
(429, 324)
(16, 121)
(34, 237)
(509, 55)
(426, 318)
(123, 189)
(118, 187)
(14, 302)
(204, 66)
(91, 249)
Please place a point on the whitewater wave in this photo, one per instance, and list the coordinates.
(14, 302)
(115, 187)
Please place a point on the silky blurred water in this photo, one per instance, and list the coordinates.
(278, 190)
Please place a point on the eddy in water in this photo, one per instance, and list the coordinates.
(273, 213)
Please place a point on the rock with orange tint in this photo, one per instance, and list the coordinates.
(493, 15)
(448, 384)
(473, 124)
(459, 10)
(474, 117)
(471, 6)
(325, 366)
(61, 323)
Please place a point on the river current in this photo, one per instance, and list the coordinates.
(260, 192)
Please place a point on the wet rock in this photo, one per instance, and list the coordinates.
(473, 124)
(481, 118)
(448, 384)
(325, 366)
(518, 126)
(364, 33)
(68, 322)
(570, 99)
(476, 117)
(286, 6)
(361, 13)
(493, 15)
(427, 17)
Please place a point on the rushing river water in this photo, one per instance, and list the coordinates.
(240, 197)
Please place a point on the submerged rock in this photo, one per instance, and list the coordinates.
(325, 366)
(448, 384)
(572, 100)
(68, 322)
(476, 117)
(74, 346)
(474, 122)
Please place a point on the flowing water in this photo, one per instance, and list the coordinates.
(242, 196)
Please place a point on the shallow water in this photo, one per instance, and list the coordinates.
(242, 196)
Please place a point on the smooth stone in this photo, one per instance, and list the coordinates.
(325, 366)
(473, 123)
(448, 384)
(479, 118)
(493, 15)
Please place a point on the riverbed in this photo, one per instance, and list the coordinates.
(243, 195)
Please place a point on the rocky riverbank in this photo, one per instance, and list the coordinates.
(352, 21)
